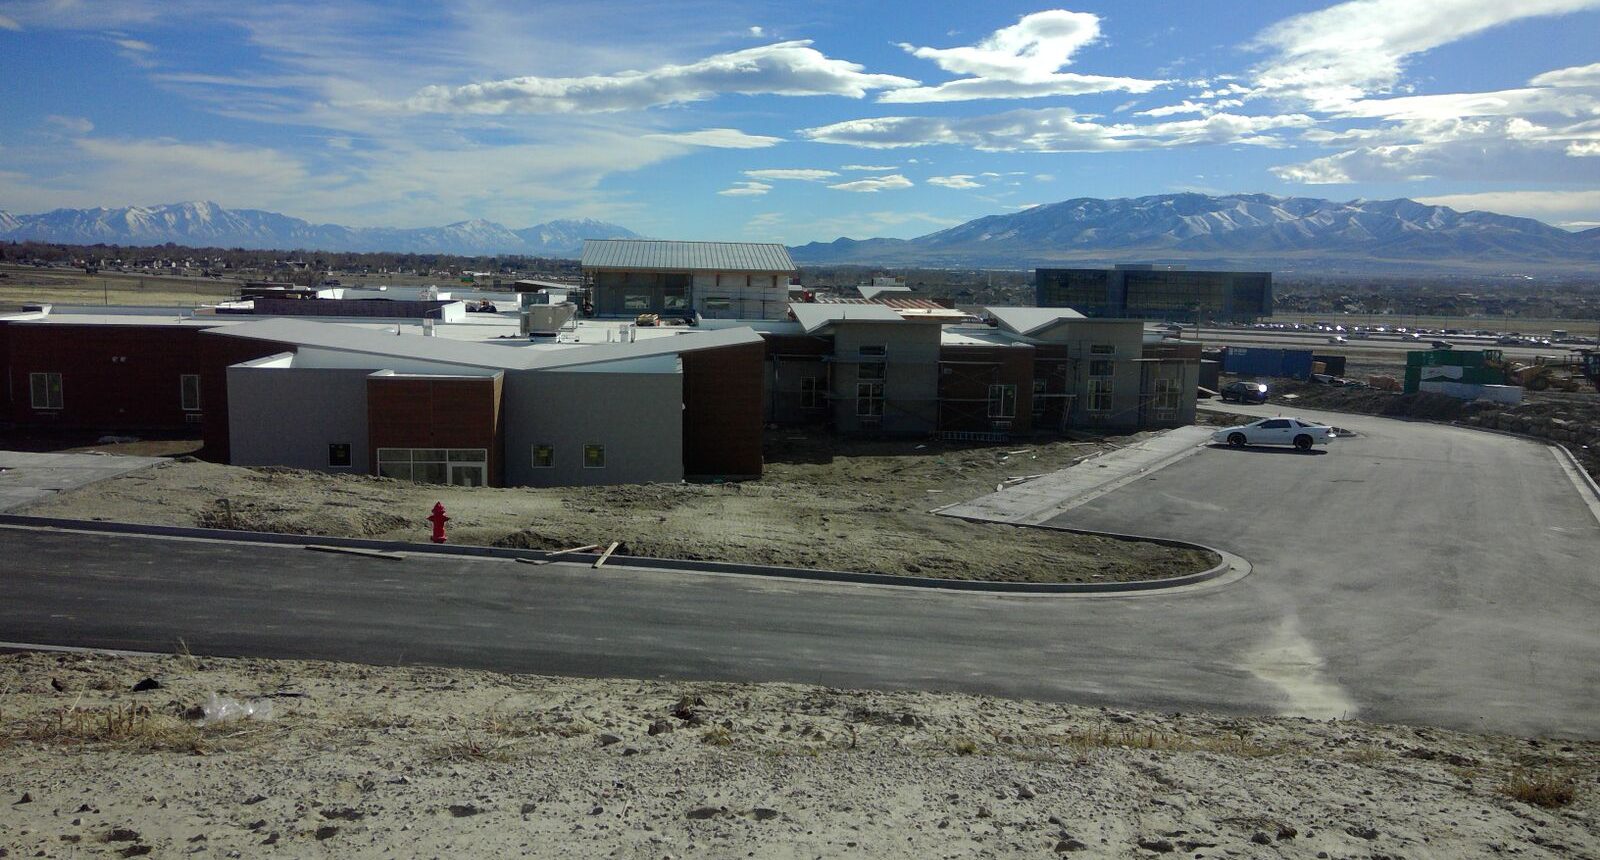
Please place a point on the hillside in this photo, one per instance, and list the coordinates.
(203, 224)
(1259, 230)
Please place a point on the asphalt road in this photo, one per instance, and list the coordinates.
(1418, 574)
(1375, 349)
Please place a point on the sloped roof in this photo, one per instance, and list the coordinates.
(640, 254)
(814, 317)
(1029, 321)
(333, 336)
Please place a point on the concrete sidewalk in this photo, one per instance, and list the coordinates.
(27, 477)
(1042, 499)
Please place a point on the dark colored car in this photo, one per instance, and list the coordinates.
(1244, 392)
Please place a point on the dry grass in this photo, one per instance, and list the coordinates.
(1546, 789)
(717, 736)
(132, 727)
(1149, 739)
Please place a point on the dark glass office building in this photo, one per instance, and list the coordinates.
(1147, 292)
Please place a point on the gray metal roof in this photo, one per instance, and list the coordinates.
(333, 336)
(814, 317)
(1027, 321)
(642, 254)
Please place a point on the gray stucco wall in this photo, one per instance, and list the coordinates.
(911, 383)
(1126, 337)
(638, 417)
(288, 416)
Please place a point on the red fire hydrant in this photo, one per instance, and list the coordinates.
(438, 519)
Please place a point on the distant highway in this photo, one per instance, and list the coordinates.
(1377, 348)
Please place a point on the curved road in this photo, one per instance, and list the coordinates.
(1418, 573)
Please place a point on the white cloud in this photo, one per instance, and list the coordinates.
(1044, 177)
(1020, 61)
(874, 184)
(958, 180)
(11, 24)
(1582, 150)
(135, 45)
(800, 174)
(1339, 54)
(784, 68)
(871, 168)
(719, 138)
(1050, 130)
(746, 189)
(1572, 76)
(1564, 208)
(1490, 151)
(74, 125)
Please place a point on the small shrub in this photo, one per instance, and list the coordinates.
(1549, 789)
(964, 746)
(717, 736)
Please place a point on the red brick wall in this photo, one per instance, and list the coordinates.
(722, 399)
(412, 412)
(965, 374)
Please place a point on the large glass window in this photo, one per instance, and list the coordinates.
(46, 390)
(464, 467)
(594, 456)
(1165, 399)
(1100, 385)
(1002, 401)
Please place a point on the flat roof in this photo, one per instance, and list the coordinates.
(636, 254)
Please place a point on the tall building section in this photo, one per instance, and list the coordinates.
(1150, 292)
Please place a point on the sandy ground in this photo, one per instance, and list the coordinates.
(824, 502)
(361, 761)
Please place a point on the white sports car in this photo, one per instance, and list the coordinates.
(1277, 431)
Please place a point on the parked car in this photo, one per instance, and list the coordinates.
(1244, 392)
(1298, 432)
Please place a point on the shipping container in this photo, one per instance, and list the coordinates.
(1256, 361)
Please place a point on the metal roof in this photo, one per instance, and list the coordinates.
(1027, 321)
(813, 317)
(641, 254)
(333, 336)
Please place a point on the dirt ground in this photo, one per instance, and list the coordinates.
(823, 502)
(362, 761)
(19, 285)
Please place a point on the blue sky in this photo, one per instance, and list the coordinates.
(792, 121)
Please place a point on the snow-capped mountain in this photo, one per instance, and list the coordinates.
(203, 224)
(1258, 228)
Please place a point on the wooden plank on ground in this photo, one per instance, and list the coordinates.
(346, 550)
(607, 554)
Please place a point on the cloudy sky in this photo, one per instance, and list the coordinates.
(792, 121)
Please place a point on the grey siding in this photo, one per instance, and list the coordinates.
(911, 383)
(288, 416)
(636, 416)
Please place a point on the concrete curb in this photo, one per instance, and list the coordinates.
(1056, 588)
(1588, 481)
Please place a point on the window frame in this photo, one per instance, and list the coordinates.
(183, 392)
(54, 389)
(997, 405)
(811, 393)
(349, 455)
(869, 399)
(588, 460)
(1102, 349)
(1102, 390)
(550, 460)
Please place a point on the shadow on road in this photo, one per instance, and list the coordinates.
(1266, 449)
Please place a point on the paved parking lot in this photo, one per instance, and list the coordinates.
(26, 477)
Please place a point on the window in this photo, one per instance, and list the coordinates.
(1102, 349)
(869, 398)
(874, 350)
(189, 391)
(1100, 395)
(870, 370)
(1101, 367)
(339, 455)
(1002, 401)
(462, 467)
(1275, 424)
(544, 456)
(594, 456)
(1040, 387)
(1165, 400)
(811, 393)
(46, 388)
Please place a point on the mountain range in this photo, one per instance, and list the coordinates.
(203, 224)
(1242, 230)
(1233, 230)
